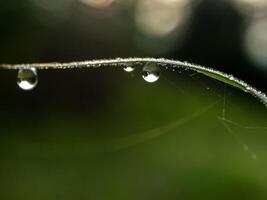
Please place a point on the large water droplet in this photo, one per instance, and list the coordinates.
(151, 72)
(128, 68)
(27, 78)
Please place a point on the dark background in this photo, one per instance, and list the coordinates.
(107, 134)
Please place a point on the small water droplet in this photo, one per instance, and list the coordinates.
(151, 73)
(231, 77)
(128, 68)
(248, 89)
(27, 78)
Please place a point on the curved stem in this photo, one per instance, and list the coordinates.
(215, 74)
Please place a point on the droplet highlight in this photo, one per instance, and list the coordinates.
(231, 77)
(128, 68)
(151, 72)
(27, 78)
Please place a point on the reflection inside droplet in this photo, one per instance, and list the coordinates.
(151, 72)
(27, 78)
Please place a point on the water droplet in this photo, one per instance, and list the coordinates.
(128, 68)
(151, 72)
(27, 78)
(248, 88)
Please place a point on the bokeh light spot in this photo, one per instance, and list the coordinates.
(159, 18)
(97, 3)
(256, 42)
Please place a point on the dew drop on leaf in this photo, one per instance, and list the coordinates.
(150, 72)
(27, 78)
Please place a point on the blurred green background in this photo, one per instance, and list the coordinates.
(107, 134)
